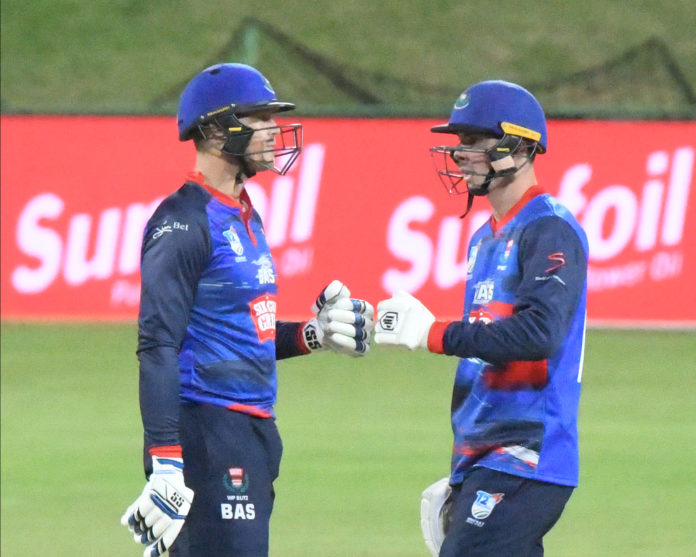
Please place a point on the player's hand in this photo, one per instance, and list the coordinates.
(403, 320)
(157, 516)
(342, 323)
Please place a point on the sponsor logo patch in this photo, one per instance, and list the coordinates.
(160, 230)
(266, 273)
(389, 320)
(263, 314)
(484, 504)
(483, 292)
(481, 314)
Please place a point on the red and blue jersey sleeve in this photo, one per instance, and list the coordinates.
(547, 290)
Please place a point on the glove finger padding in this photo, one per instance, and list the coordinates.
(334, 291)
(347, 345)
(165, 541)
(342, 323)
(352, 318)
(359, 333)
(159, 527)
(157, 516)
(347, 326)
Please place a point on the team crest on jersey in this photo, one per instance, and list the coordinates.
(263, 314)
(266, 273)
(233, 239)
(236, 480)
(484, 504)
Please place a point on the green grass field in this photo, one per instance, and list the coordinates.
(121, 56)
(362, 439)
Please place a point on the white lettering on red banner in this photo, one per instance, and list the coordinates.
(372, 214)
(647, 223)
(113, 239)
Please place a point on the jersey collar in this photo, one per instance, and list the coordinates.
(530, 194)
(243, 203)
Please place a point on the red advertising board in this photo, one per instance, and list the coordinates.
(363, 204)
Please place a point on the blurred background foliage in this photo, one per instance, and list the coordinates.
(597, 58)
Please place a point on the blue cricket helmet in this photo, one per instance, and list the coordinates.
(497, 108)
(223, 89)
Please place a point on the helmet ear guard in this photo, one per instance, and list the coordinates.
(502, 154)
(228, 129)
(236, 137)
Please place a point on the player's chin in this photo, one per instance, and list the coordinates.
(261, 164)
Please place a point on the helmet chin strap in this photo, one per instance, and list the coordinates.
(484, 188)
(502, 165)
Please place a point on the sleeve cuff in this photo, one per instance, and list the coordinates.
(301, 342)
(436, 336)
(171, 451)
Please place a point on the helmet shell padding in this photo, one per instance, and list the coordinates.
(225, 89)
(497, 108)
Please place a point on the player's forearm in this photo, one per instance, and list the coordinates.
(159, 396)
(289, 341)
(527, 336)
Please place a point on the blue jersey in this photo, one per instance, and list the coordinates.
(517, 387)
(207, 324)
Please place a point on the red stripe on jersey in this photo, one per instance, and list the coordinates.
(501, 309)
(518, 375)
(250, 410)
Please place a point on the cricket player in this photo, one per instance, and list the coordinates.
(520, 341)
(208, 338)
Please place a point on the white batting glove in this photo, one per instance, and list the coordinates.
(403, 320)
(342, 323)
(157, 516)
(433, 515)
